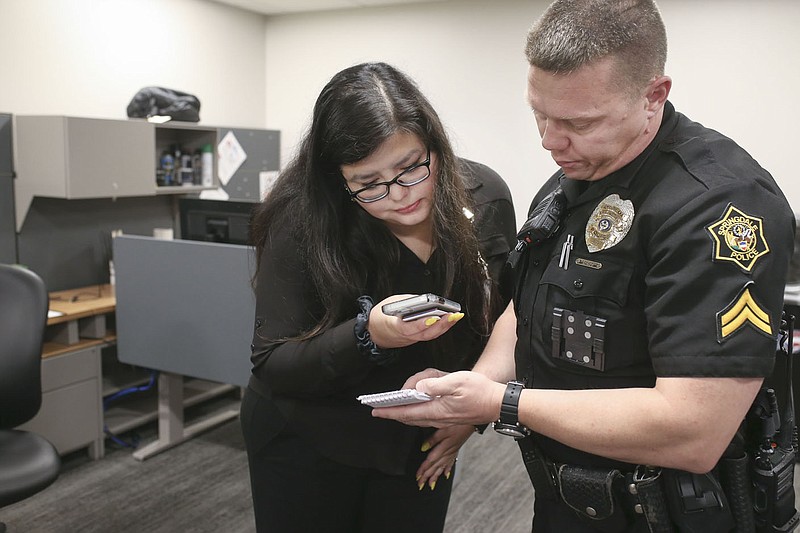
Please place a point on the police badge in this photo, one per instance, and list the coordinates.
(609, 223)
(739, 238)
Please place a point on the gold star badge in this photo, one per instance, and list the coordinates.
(738, 238)
(744, 310)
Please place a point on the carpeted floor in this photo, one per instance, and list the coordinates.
(202, 485)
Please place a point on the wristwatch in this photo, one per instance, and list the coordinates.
(508, 424)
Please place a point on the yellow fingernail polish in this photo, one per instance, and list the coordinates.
(455, 317)
(447, 475)
(432, 320)
(418, 477)
(421, 485)
(433, 485)
(425, 446)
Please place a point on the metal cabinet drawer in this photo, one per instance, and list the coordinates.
(69, 368)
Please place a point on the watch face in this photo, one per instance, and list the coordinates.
(510, 430)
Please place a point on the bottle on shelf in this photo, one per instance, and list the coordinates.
(197, 167)
(186, 177)
(207, 166)
(167, 171)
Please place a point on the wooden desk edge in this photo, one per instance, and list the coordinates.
(105, 302)
(52, 349)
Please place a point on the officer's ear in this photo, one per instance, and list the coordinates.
(657, 93)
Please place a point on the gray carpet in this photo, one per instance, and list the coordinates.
(202, 485)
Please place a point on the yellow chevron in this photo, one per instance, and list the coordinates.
(744, 310)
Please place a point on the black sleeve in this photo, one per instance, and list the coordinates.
(495, 219)
(286, 306)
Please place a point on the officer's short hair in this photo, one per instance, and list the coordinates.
(573, 33)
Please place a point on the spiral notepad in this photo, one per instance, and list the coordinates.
(392, 398)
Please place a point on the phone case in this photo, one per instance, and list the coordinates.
(392, 398)
(417, 304)
(423, 314)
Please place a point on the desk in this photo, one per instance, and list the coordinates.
(71, 415)
(82, 322)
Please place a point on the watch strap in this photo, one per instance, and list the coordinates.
(509, 409)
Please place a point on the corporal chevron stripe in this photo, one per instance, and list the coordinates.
(742, 311)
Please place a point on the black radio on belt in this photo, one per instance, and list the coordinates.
(541, 225)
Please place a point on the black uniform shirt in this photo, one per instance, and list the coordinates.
(690, 244)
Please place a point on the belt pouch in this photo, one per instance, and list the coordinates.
(588, 491)
(541, 476)
(653, 503)
(697, 502)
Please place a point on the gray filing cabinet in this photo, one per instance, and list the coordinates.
(71, 416)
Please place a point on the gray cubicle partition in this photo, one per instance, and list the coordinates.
(185, 307)
(8, 232)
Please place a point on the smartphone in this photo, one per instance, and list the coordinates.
(421, 306)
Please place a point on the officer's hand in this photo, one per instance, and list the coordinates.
(459, 398)
(411, 383)
(391, 332)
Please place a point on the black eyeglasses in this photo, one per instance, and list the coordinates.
(410, 176)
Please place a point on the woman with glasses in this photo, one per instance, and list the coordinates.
(375, 206)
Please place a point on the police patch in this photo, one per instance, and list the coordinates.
(742, 311)
(739, 238)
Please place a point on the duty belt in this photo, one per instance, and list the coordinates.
(596, 493)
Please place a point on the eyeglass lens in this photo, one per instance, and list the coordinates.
(410, 177)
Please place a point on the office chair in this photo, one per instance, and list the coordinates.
(28, 462)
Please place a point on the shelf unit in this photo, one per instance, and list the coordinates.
(80, 158)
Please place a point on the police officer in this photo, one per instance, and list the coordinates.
(650, 282)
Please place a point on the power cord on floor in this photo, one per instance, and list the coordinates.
(119, 394)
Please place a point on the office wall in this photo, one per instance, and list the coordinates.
(89, 57)
(68, 242)
(732, 61)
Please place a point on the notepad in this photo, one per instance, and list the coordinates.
(392, 398)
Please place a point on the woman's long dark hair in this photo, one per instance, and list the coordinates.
(345, 248)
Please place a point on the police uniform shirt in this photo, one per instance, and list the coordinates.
(672, 266)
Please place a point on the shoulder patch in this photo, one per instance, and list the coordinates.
(743, 310)
(738, 238)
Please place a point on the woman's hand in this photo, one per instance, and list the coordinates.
(391, 332)
(443, 449)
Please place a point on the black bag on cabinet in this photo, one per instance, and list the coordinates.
(152, 101)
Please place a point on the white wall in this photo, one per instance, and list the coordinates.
(89, 57)
(733, 64)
